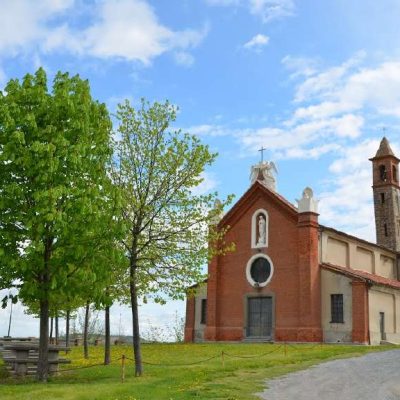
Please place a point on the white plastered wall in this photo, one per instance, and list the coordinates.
(348, 252)
(384, 300)
(332, 283)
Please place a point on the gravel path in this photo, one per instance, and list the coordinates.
(375, 376)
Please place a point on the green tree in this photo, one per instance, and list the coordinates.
(165, 223)
(54, 147)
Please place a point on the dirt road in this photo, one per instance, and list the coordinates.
(375, 376)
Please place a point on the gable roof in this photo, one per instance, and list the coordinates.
(362, 275)
(257, 186)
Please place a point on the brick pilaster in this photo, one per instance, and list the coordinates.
(210, 332)
(360, 312)
(190, 319)
(309, 278)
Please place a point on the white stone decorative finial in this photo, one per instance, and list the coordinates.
(264, 172)
(219, 213)
(308, 203)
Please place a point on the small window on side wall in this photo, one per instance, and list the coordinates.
(203, 317)
(337, 308)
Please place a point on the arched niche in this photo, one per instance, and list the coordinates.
(259, 229)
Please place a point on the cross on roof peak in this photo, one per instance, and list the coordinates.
(262, 152)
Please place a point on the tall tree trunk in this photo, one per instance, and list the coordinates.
(107, 343)
(135, 321)
(85, 331)
(51, 329)
(42, 373)
(67, 328)
(43, 365)
(56, 326)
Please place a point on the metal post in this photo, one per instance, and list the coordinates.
(9, 322)
(123, 368)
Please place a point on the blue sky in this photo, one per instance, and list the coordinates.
(313, 81)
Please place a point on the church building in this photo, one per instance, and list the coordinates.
(292, 279)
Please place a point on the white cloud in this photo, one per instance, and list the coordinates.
(325, 83)
(300, 66)
(208, 184)
(121, 29)
(24, 22)
(223, 2)
(310, 139)
(3, 77)
(184, 58)
(350, 87)
(332, 107)
(257, 42)
(129, 29)
(267, 10)
(209, 130)
(347, 204)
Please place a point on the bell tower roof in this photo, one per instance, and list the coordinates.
(384, 150)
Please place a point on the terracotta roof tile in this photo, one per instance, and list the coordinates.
(366, 276)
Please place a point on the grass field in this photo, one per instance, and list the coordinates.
(233, 371)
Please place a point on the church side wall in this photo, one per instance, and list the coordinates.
(347, 252)
(332, 283)
(337, 252)
(387, 301)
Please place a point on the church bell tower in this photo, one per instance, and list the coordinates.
(385, 176)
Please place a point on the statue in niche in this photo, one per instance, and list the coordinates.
(261, 230)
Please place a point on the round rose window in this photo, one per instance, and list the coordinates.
(259, 270)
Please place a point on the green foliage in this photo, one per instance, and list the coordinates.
(55, 203)
(165, 223)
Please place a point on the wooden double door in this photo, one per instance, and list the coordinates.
(259, 317)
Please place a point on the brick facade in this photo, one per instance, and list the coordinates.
(190, 318)
(295, 284)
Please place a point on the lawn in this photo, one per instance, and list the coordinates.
(177, 371)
